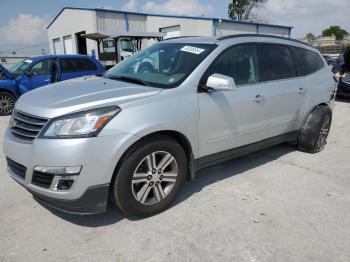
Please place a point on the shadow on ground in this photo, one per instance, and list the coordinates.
(343, 99)
(205, 177)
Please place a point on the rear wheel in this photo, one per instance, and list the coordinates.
(7, 103)
(315, 131)
(150, 177)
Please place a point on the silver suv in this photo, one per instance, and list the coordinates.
(137, 133)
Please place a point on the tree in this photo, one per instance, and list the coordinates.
(335, 30)
(241, 9)
(310, 37)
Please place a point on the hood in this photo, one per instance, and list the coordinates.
(80, 94)
(7, 73)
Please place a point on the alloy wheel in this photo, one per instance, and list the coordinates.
(6, 104)
(154, 177)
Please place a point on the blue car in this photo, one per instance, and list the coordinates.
(39, 71)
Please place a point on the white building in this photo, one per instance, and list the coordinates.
(10, 60)
(66, 30)
(329, 44)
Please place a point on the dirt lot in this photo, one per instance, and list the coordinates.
(274, 205)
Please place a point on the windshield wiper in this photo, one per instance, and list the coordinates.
(129, 79)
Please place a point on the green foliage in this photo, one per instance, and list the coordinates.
(310, 37)
(241, 9)
(335, 30)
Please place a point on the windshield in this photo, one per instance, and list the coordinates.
(163, 65)
(21, 67)
(127, 45)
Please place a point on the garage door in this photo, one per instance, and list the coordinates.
(172, 31)
(57, 47)
(68, 45)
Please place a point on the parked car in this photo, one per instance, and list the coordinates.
(338, 63)
(135, 137)
(39, 71)
(330, 61)
(114, 48)
(344, 77)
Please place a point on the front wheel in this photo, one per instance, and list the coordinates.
(7, 103)
(150, 177)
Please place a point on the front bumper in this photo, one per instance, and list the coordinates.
(98, 157)
(93, 201)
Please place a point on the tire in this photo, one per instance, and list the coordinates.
(137, 182)
(7, 103)
(314, 133)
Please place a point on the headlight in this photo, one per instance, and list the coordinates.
(82, 124)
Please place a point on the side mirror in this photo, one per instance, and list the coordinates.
(218, 82)
(29, 74)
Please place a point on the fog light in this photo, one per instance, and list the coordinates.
(64, 170)
(65, 184)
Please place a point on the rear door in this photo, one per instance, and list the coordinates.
(284, 92)
(316, 77)
(230, 119)
(76, 67)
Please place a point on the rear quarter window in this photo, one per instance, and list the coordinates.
(308, 62)
(276, 62)
(71, 65)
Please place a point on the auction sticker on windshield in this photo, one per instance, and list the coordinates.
(192, 49)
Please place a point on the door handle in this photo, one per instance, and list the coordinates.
(301, 90)
(259, 98)
(47, 80)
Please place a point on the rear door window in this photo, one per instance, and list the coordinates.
(307, 61)
(238, 62)
(71, 65)
(276, 62)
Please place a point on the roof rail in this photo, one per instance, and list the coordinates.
(261, 35)
(179, 37)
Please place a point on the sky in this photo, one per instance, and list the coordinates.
(23, 22)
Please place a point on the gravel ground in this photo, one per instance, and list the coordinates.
(274, 205)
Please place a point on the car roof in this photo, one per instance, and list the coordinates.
(36, 58)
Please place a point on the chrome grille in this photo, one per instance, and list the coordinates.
(25, 126)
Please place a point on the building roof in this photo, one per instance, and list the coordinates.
(165, 15)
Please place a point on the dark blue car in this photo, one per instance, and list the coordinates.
(39, 71)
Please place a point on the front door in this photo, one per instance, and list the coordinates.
(126, 48)
(229, 119)
(39, 74)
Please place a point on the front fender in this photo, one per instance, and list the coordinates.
(22, 89)
(9, 86)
